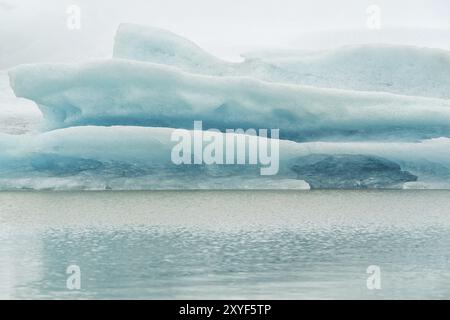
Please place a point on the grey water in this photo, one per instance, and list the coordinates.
(225, 244)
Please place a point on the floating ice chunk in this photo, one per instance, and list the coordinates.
(124, 92)
(397, 69)
(123, 158)
(140, 158)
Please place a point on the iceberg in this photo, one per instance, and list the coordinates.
(124, 92)
(405, 70)
(399, 69)
(139, 159)
(149, 44)
(362, 117)
(83, 158)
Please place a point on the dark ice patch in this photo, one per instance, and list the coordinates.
(350, 172)
(62, 165)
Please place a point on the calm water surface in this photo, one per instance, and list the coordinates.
(243, 244)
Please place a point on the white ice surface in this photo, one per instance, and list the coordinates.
(391, 68)
(125, 92)
(17, 115)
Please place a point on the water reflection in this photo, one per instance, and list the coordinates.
(157, 257)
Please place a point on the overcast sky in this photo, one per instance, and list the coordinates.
(35, 30)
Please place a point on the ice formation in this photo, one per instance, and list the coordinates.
(356, 117)
(17, 116)
(156, 45)
(122, 92)
(350, 172)
(141, 155)
(405, 70)
(396, 69)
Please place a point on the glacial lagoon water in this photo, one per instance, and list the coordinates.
(225, 244)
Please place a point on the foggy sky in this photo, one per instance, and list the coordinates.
(35, 30)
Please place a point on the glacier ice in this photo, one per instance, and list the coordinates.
(17, 116)
(123, 92)
(350, 172)
(396, 69)
(353, 117)
(140, 158)
(156, 45)
(153, 145)
(405, 70)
